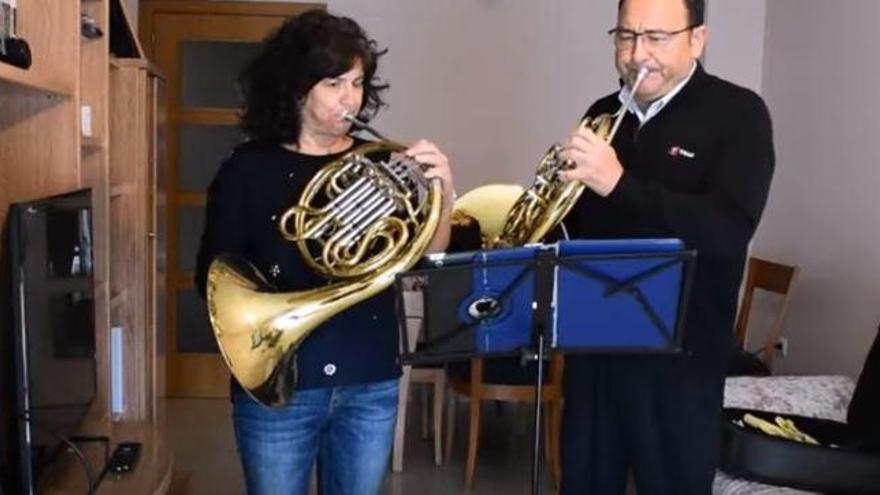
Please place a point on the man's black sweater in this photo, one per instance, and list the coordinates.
(699, 170)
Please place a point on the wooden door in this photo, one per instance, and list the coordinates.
(200, 47)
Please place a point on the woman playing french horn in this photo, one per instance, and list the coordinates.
(312, 78)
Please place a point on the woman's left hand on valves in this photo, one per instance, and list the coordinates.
(595, 161)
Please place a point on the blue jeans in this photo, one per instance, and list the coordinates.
(349, 429)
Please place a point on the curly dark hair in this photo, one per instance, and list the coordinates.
(306, 49)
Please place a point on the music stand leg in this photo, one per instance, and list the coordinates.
(539, 395)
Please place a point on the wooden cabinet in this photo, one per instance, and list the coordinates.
(80, 117)
(136, 138)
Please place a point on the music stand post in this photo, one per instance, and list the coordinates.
(545, 262)
(526, 301)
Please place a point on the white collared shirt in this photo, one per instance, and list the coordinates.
(658, 105)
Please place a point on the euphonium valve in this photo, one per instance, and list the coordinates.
(548, 200)
(359, 222)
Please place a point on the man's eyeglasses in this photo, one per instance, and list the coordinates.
(653, 38)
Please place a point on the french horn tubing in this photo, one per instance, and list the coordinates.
(360, 221)
(548, 200)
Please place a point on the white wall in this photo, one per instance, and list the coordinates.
(735, 49)
(820, 80)
(498, 81)
(493, 82)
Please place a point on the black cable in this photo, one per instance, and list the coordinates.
(103, 472)
(105, 441)
(87, 466)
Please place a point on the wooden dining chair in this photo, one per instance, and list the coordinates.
(773, 277)
(435, 377)
(479, 387)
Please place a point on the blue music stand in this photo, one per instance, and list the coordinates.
(581, 297)
(617, 296)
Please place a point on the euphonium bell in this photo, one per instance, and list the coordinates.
(359, 222)
(548, 200)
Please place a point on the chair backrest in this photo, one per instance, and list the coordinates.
(483, 388)
(413, 308)
(773, 277)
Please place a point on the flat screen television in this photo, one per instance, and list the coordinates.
(55, 377)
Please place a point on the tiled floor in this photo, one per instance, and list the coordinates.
(205, 457)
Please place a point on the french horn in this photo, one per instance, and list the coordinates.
(359, 222)
(548, 200)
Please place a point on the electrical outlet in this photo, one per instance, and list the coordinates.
(782, 346)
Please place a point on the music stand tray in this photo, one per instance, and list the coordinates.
(625, 296)
(596, 297)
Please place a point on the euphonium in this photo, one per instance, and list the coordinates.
(359, 222)
(549, 199)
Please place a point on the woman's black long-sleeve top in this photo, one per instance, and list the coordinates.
(251, 190)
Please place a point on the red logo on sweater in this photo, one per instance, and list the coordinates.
(679, 151)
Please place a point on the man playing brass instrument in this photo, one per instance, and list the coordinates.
(317, 69)
(693, 159)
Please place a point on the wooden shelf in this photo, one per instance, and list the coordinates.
(119, 190)
(117, 299)
(41, 112)
(91, 143)
(27, 79)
